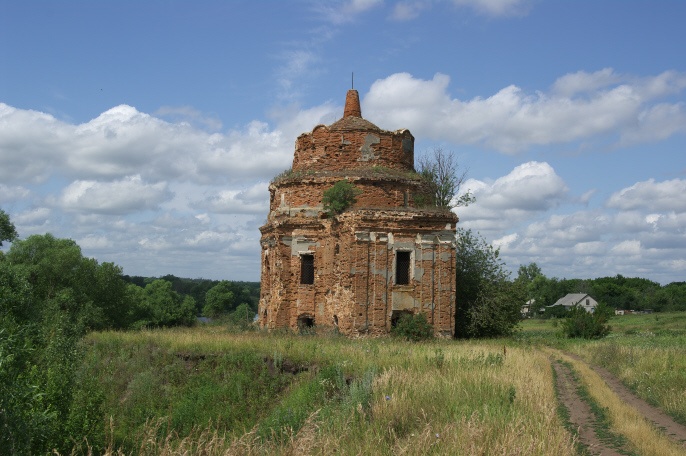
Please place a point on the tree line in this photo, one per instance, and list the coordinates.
(617, 292)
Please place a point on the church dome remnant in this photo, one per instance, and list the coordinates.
(360, 269)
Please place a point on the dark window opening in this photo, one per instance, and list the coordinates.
(307, 269)
(402, 268)
(305, 321)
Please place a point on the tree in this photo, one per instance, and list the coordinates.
(340, 197)
(530, 277)
(528, 273)
(219, 300)
(487, 303)
(441, 171)
(7, 230)
(159, 305)
(53, 265)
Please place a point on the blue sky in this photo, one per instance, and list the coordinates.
(149, 131)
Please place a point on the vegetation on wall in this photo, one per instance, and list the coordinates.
(340, 197)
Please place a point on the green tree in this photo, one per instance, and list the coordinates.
(441, 171)
(487, 303)
(53, 265)
(7, 230)
(340, 197)
(39, 335)
(219, 300)
(527, 273)
(159, 305)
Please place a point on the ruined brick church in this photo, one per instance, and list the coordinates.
(357, 271)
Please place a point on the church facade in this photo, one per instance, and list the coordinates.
(358, 270)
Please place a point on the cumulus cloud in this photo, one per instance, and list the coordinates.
(120, 197)
(252, 200)
(579, 107)
(35, 216)
(123, 141)
(11, 193)
(650, 195)
(528, 189)
(636, 232)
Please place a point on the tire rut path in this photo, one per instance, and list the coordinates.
(674, 430)
(581, 417)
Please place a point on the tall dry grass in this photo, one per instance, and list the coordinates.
(443, 397)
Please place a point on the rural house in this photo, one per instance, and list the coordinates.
(360, 269)
(577, 299)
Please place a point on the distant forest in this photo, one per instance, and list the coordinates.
(241, 292)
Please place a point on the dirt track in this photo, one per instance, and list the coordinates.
(583, 419)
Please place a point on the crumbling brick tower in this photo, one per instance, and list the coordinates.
(361, 269)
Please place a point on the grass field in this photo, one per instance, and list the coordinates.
(255, 394)
(647, 352)
(206, 390)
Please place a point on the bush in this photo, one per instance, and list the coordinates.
(585, 325)
(413, 328)
(339, 197)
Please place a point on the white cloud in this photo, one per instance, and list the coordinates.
(94, 242)
(651, 195)
(189, 115)
(496, 7)
(407, 10)
(123, 141)
(120, 197)
(628, 247)
(36, 216)
(528, 189)
(339, 12)
(636, 233)
(252, 200)
(580, 107)
(582, 82)
(11, 193)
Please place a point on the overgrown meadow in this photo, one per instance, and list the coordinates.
(205, 390)
(213, 390)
